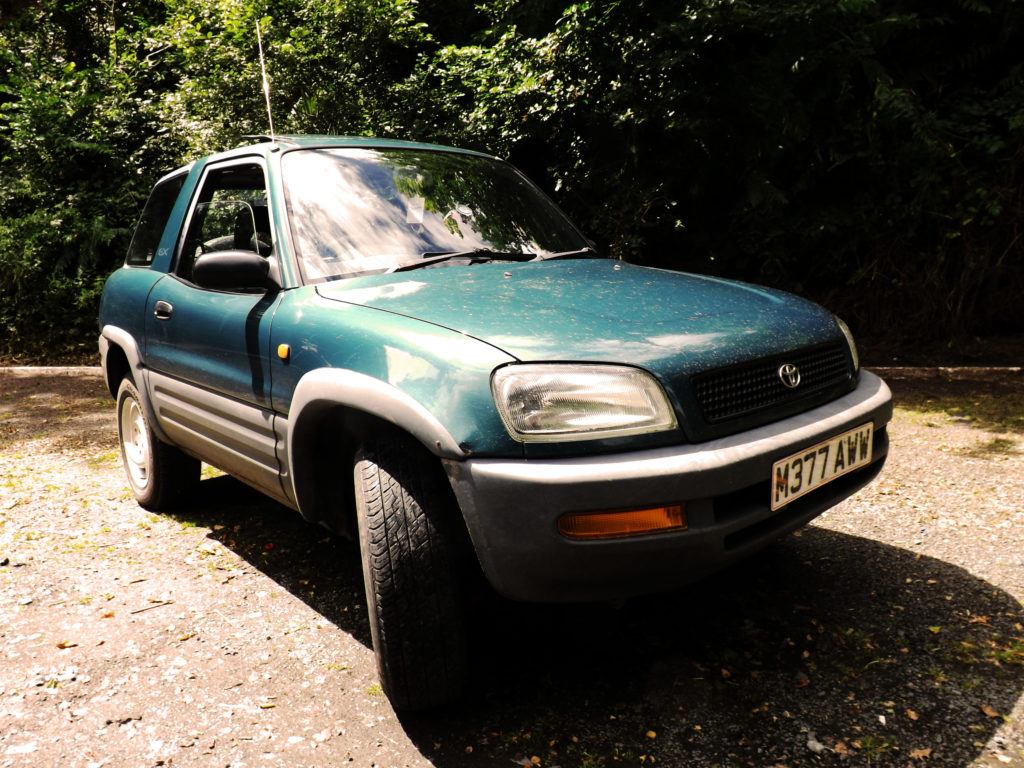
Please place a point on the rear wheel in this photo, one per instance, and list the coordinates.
(410, 552)
(158, 473)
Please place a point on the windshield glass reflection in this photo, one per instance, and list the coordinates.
(356, 211)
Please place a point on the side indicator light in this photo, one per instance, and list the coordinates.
(622, 523)
(284, 351)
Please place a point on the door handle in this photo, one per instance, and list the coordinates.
(162, 310)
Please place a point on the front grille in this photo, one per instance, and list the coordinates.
(738, 390)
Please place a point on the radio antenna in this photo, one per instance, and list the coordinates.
(266, 82)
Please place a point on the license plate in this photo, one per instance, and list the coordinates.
(812, 467)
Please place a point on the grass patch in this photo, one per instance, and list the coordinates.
(103, 460)
(923, 418)
(997, 446)
(181, 520)
(993, 401)
(874, 747)
(1003, 414)
(1008, 651)
(208, 472)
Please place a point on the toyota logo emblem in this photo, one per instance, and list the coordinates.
(789, 374)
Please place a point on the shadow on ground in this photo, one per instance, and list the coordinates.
(321, 569)
(825, 648)
(72, 405)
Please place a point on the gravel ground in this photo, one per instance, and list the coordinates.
(889, 633)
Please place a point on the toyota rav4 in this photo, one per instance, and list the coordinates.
(411, 344)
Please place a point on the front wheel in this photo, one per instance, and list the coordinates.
(410, 552)
(158, 473)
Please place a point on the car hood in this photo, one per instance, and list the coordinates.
(598, 310)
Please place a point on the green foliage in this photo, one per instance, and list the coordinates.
(864, 152)
(76, 128)
(330, 66)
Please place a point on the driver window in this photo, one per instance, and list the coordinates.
(230, 215)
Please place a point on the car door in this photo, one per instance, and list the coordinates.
(207, 350)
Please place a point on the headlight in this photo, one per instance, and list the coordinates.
(559, 401)
(850, 342)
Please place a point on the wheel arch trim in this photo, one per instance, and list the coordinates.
(112, 336)
(324, 390)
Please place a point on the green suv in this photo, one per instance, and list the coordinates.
(411, 344)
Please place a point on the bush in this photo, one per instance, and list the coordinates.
(80, 144)
(863, 152)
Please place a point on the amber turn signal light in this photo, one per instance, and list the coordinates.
(621, 523)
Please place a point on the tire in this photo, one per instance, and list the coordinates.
(411, 554)
(158, 473)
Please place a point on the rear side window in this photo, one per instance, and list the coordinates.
(151, 226)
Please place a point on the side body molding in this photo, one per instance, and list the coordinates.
(326, 390)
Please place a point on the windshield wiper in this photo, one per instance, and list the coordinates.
(478, 255)
(580, 253)
(475, 256)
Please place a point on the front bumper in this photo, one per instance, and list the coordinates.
(511, 507)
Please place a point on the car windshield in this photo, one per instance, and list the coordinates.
(358, 211)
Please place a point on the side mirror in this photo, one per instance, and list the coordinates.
(236, 270)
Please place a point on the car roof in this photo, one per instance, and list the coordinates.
(264, 144)
(295, 141)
